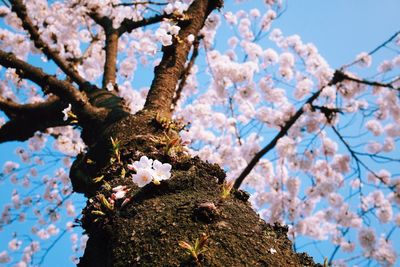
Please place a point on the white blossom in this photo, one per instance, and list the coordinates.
(66, 111)
(148, 171)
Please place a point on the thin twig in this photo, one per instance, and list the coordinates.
(274, 141)
(372, 83)
(357, 159)
(52, 245)
(5, 3)
(372, 51)
(337, 77)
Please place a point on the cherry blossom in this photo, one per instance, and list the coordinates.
(162, 171)
(4, 257)
(148, 170)
(143, 177)
(330, 175)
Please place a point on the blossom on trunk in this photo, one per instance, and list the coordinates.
(148, 170)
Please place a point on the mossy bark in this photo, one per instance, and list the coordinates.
(146, 230)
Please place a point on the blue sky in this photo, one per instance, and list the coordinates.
(340, 29)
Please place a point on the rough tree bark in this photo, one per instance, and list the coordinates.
(146, 230)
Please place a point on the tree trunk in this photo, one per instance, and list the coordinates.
(147, 229)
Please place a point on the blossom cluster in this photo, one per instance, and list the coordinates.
(148, 170)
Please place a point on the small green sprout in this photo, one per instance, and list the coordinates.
(168, 124)
(98, 179)
(176, 17)
(116, 149)
(123, 173)
(226, 189)
(178, 39)
(73, 117)
(105, 202)
(106, 186)
(197, 249)
(163, 121)
(172, 145)
(69, 115)
(98, 213)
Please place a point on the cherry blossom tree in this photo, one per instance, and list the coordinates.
(314, 146)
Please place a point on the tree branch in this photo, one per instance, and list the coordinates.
(15, 110)
(274, 141)
(372, 83)
(111, 48)
(110, 65)
(26, 119)
(128, 25)
(170, 69)
(20, 9)
(50, 84)
(337, 77)
(186, 73)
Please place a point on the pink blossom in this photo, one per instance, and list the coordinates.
(164, 37)
(367, 238)
(52, 229)
(14, 244)
(143, 163)
(375, 127)
(230, 18)
(385, 253)
(286, 59)
(329, 147)
(162, 171)
(374, 147)
(389, 144)
(74, 238)
(21, 264)
(364, 59)
(385, 66)
(347, 246)
(341, 163)
(286, 146)
(356, 183)
(43, 234)
(177, 7)
(10, 166)
(385, 212)
(119, 191)
(303, 87)
(142, 177)
(70, 208)
(4, 257)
